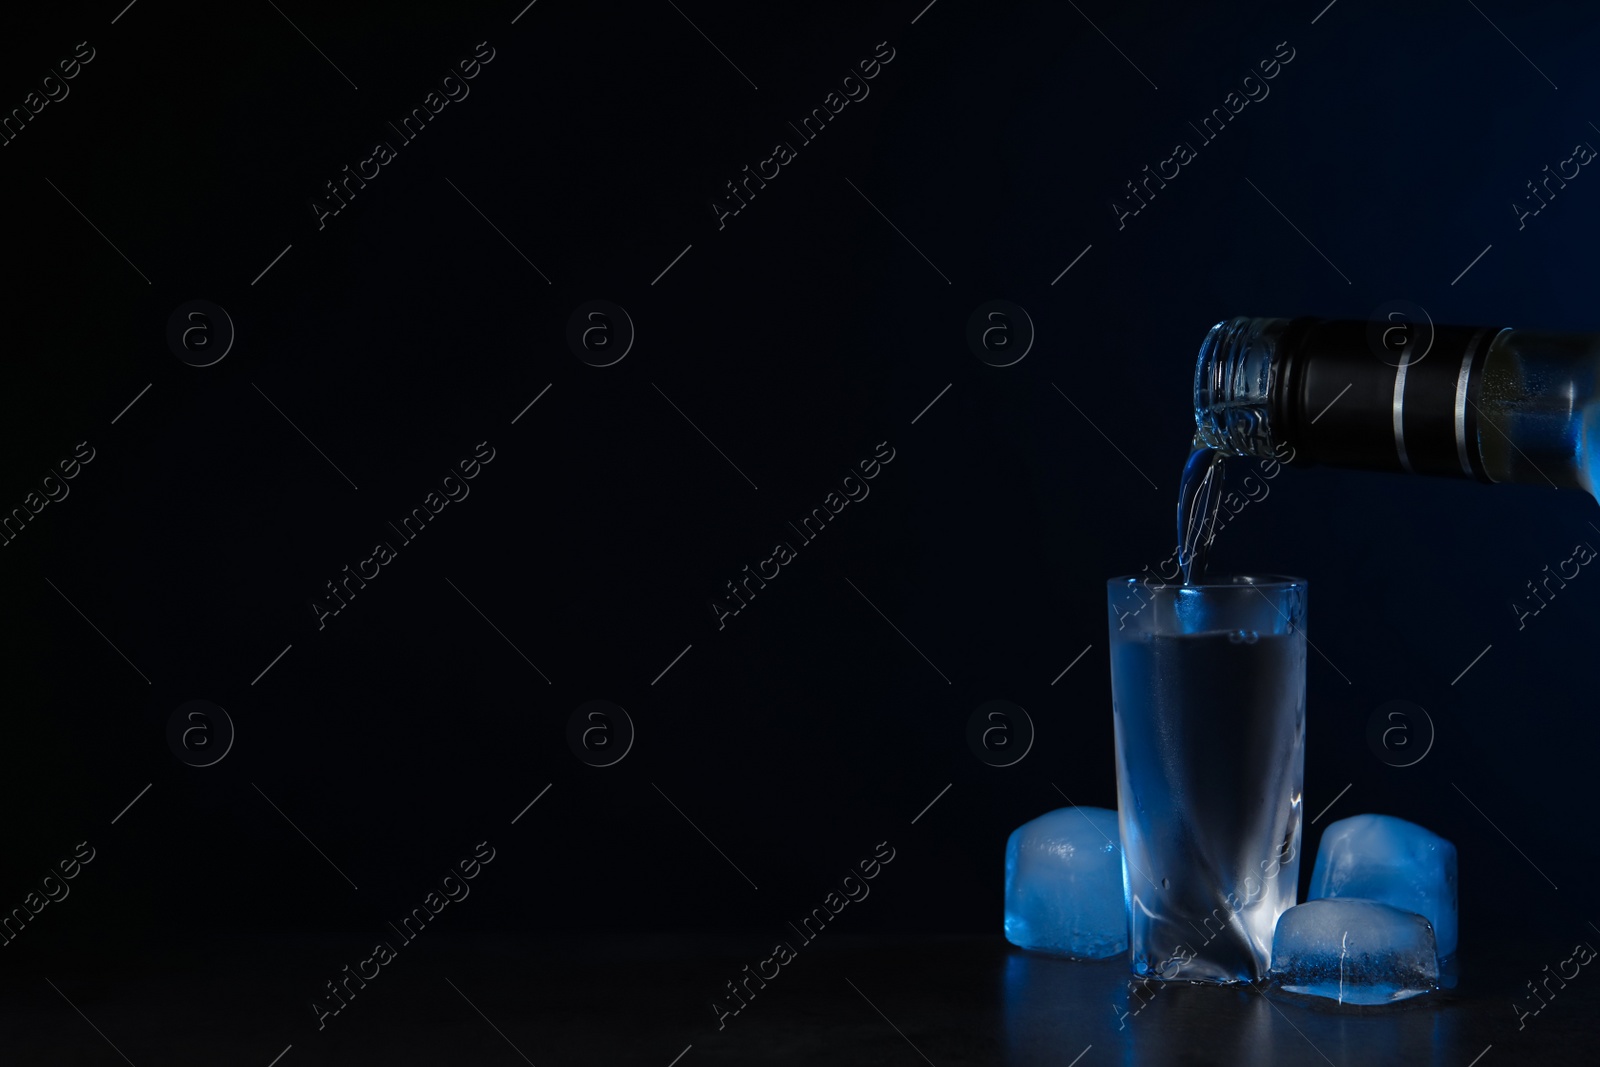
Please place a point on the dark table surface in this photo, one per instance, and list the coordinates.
(844, 999)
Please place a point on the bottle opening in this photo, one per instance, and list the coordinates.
(1233, 379)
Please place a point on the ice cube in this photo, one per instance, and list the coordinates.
(1355, 951)
(1064, 884)
(1379, 857)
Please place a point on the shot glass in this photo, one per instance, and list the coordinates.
(1208, 696)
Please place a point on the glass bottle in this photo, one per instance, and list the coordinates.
(1488, 403)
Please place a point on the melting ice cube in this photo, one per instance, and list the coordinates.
(1354, 951)
(1379, 857)
(1064, 884)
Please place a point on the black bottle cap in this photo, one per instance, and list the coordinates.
(1346, 398)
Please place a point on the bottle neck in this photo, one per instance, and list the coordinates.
(1233, 381)
(1380, 396)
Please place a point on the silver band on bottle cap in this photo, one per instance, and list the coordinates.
(1399, 406)
(1461, 405)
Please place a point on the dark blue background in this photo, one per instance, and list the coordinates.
(797, 338)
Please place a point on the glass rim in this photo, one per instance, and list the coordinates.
(1264, 582)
